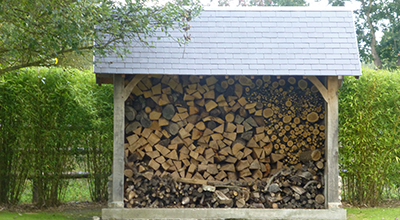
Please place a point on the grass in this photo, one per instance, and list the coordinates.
(77, 191)
(373, 213)
(31, 216)
(70, 211)
(54, 215)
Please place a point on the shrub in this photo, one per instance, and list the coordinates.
(48, 117)
(369, 118)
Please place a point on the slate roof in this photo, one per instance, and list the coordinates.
(251, 41)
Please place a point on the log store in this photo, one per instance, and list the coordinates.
(242, 122)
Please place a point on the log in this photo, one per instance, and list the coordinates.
(276, 157)
(268, 112)
(306, 156)
(238, 90)
(172, 155)
(302, 84)
(228, 167)
(320, 199)
(130, 113)
(241, 165)
(173, 128)
(238, 145)
(255, 165)
(313, 117)
(210, 105)
(168, 112)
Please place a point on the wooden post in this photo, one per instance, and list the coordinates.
(118, 154)
(332, 145)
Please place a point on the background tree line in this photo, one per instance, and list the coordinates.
(372, 17)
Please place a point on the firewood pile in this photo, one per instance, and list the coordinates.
(224, 141)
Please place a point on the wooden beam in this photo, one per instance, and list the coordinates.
(321, 88)
(332, 145)
(117, 197)
(128, 89)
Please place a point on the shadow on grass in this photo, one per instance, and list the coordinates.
(70, 211)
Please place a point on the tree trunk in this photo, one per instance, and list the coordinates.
(374, 53)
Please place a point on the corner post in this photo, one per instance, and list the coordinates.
(332, 145)
(118, 153)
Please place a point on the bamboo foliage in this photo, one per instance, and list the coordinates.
(369, 135)
(48, 118)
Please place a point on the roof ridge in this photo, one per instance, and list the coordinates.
(280, 8)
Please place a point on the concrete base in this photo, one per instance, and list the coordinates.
(220, 213)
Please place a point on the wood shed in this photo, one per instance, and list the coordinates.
(242, 122)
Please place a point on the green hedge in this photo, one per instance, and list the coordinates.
(369, 119)
(49, 117)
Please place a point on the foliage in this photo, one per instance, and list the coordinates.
(369, 120)
(82, 61)
(374, 16)
(34, 33)
(99, 143)
(47, 118)
(389, 46)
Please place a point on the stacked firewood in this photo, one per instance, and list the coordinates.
(288, 188)
(215, 137)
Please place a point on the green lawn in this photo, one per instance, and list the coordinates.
(32, 216)
(373, 213)
(64, 215)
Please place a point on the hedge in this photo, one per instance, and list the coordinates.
(369, 119)
(47, 117)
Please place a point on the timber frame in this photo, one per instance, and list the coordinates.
(329, 93)
(319, 45)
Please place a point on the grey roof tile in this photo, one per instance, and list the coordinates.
(254, 41)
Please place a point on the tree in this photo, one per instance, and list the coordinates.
(389, 46)
(34, 33)
(374, 16)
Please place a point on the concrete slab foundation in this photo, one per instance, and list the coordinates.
(221, 213)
